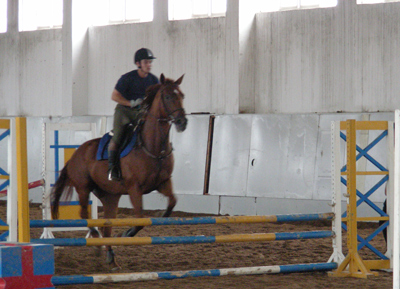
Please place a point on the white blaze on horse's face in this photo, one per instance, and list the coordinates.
(181, 121)
(172, 99)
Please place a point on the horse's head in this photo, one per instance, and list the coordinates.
(169, 99)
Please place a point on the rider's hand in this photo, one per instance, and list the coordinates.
(136, 102)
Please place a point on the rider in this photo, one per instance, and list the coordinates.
(128, 93)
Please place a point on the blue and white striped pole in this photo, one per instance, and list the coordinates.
(147, 276)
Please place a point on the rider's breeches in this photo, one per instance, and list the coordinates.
(123, 115)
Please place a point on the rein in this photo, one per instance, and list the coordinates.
(162, 153)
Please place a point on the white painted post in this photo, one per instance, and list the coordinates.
(337, 255)
(12, 196)
(396, 201)
(390, 192)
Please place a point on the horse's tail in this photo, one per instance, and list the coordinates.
(61, 186)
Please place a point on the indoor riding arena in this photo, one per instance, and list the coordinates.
(199, 144)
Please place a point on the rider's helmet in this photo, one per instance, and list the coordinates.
(143, 53)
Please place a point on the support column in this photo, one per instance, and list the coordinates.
(75, 57)
(12, 59)
(247, 59)
(232, 57)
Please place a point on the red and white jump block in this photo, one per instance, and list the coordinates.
(26, 266)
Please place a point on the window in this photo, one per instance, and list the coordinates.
(40, 14)
(3, 16)
(278, 5)
(186, 9)
(122, 11)
(375, 1)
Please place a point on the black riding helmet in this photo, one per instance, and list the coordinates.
(143, 53)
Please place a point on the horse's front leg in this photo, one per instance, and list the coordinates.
(167, 190)
(110, 207)
(136, 196)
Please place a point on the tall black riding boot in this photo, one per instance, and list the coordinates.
(114, 171)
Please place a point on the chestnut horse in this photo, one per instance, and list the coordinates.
(146, 168)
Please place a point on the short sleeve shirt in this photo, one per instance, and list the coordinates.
(132, 86)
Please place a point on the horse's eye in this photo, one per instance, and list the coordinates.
(168, 97)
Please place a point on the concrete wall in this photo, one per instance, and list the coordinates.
(326, 60)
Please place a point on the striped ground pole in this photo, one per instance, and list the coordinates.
(180, 221)
(127, 241)
(148, 276)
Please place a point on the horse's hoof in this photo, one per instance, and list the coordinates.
(97, 251)
(110, 257)
(159, 214)
(94, 233)
(116, 268)
(121, 234)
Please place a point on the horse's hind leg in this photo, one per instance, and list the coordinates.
(110, 206)
(84, 194)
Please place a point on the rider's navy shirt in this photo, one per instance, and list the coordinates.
(132, 86)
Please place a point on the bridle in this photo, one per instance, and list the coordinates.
(169, 119)
(170, 114)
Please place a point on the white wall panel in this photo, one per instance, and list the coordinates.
(230, 157)
(190, 150)
(282, 157)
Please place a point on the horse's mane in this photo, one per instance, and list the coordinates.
(151, 92)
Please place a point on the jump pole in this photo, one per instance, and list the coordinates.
(127, 241)
(148, 276)
(179, 221)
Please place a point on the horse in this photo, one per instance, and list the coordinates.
(148, 167)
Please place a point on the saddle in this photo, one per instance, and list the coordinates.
(128, 143)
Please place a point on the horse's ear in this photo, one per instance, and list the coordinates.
(162, 78)
(179, 81)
